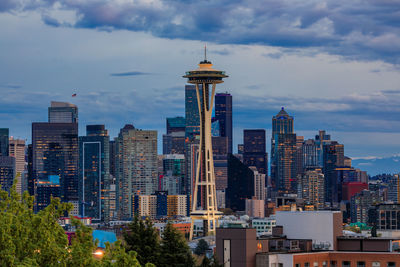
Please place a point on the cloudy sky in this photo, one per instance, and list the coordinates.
(333, 64)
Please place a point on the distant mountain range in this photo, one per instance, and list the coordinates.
(376, 165)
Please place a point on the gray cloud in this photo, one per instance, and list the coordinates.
(10, 86)
(361, 30)
(129, 73)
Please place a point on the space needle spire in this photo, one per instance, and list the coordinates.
(205, 78)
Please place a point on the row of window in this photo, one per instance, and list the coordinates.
(348, 264)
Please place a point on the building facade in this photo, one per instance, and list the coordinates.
(62, 112)
(55, 153)
(17, 150)
(283, 153)
(4, 137)
(136, 166)
(7, 172)
(223, 113)
(311, 188)
(94, 173)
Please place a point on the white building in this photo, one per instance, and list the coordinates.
(321, 226)
(255, 208)
(264, 225)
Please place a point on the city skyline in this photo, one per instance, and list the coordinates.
(351, 94)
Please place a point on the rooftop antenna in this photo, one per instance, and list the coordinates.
(205, 52)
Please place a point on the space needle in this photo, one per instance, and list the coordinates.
(205, 78)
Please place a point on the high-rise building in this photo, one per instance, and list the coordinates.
(136, 166)
(174, 143)
(254, 153)
(207, 77)
(55, 153)
(177, 205)
(94, 173)
(7, 172)
(360, 205)
(192, 117)
(333, 157)
(144, 206)
(283, 153)
(175, 124)
(173, 177)
(63, 112)
(259, 184)
(240, 184)
(311, 188)
(30, 177)
(255, 208)
(223, 113)
(385, 216)
(4, 137)
(45, 190)
(17, 150)
(299, 155)
(174, 139)
(340, 176)
(394, 188)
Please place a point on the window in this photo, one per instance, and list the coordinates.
(360, 263)
(324, 264)
(333, 264)
(376, 264)
(297, 265)
(306, 264)
(345, 264)
(315, 264)
(391, 264)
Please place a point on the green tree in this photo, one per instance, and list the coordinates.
(202, 247)
(213, 262)
(143, 238)
(174, 249)
(28, 239)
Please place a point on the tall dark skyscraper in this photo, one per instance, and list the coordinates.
(94, 173)
(333, 157)
(55, 153)
(4, 136)
(63, 112)
(283, 153)
(223, 113)
(240, 184)
(192, 117)
(254, 150)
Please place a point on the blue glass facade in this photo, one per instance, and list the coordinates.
(94, 173)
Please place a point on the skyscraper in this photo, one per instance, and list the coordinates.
(311, 187)
(223, 113)
(94, 173)
(173, 174)
(174, 140)
(333, 157)
(136, 166)
(192, 117)
(175, 124)
(55, 153)
(7, 172)
(63, 112)
(17, 150)
(240, 184)
(254, 153)
(4, 136)
(283, 153)
(205, 76)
